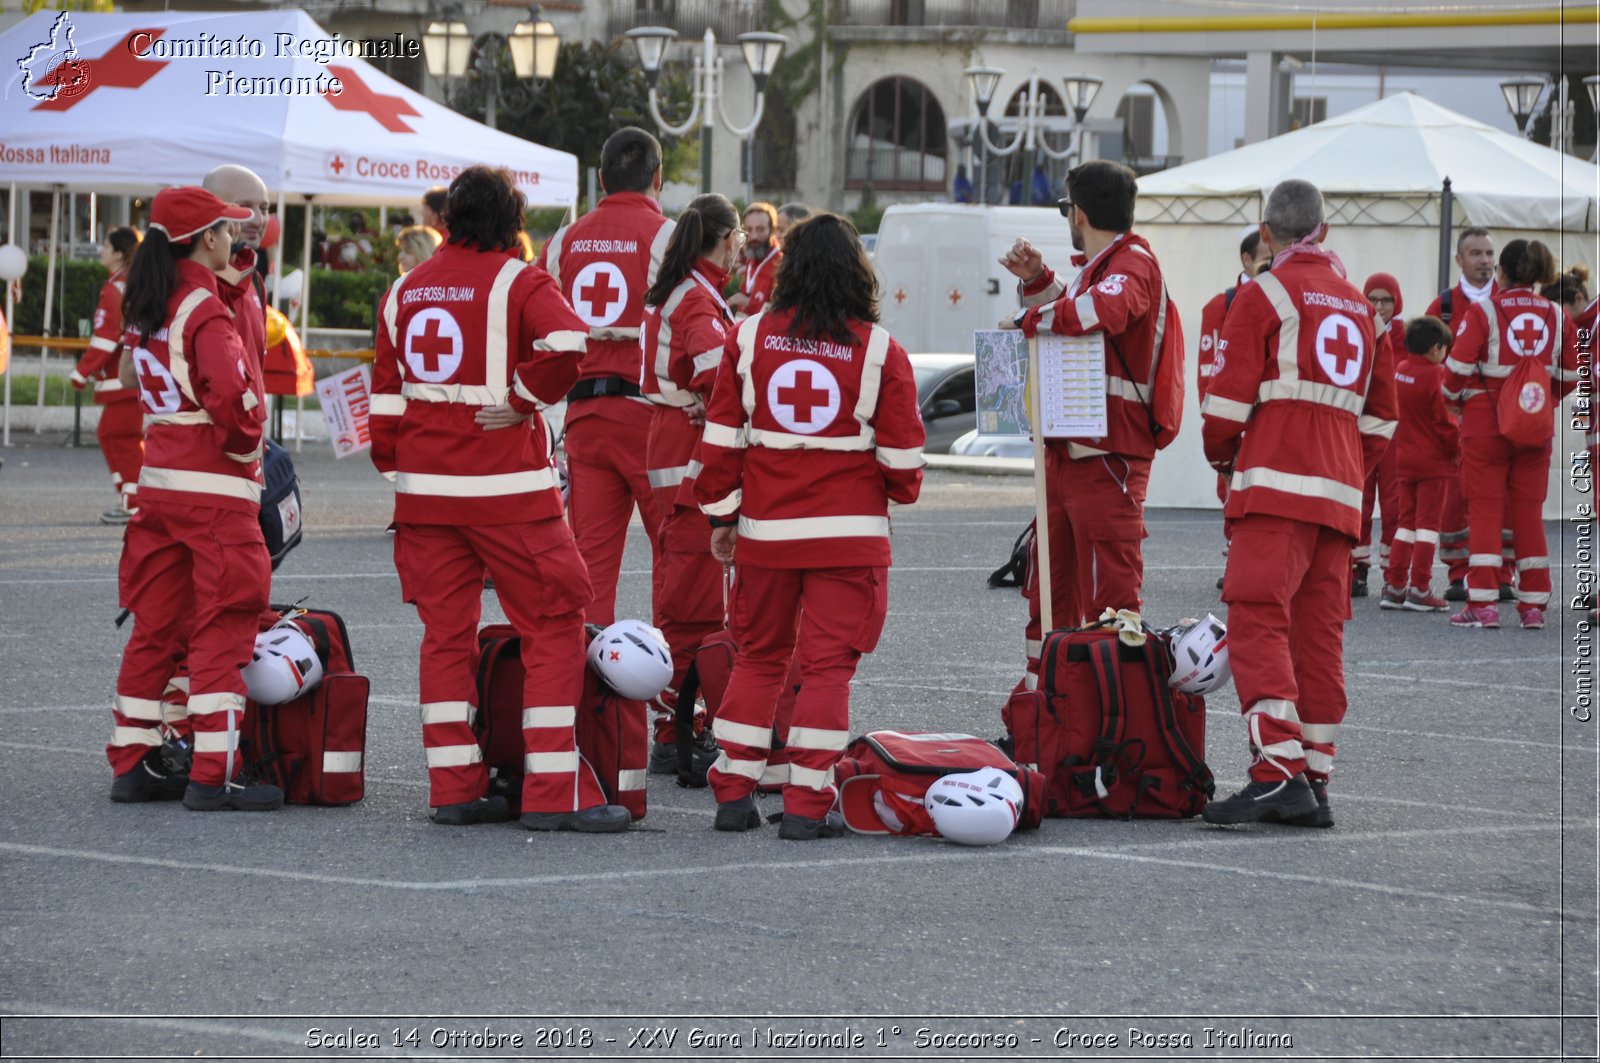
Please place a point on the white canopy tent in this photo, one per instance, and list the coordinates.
(99, 106)
(132, 102)
(1381, 168)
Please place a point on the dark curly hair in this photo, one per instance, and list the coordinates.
(485, 210)
(826, 279)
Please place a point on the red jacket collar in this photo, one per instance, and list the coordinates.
(191, 272)
(633, 200)
(714, 274)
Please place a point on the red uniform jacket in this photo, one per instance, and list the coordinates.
(1301, 366)
(203, 402)
(758, 280)
(1427, 441)
(1120, 294)
(1490, 337)
(464, 330)
(604, 263)
(237, 286)
(99, 363)
(1211, 317)
(1459, 301)
(683, 342)
(808, 441)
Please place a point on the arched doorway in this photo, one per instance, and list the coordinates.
(898, 139)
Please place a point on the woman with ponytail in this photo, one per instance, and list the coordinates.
(194, 569)
(121, 427)
(686, 324)
(1505, 464)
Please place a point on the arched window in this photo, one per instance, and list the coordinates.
(897, 138)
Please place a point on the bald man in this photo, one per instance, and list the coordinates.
(240, 284)
(240, 186)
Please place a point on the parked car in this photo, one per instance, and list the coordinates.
(947, 393)
(975, 444)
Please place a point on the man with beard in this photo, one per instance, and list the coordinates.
(761, 258)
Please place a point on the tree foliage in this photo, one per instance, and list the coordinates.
(596, 91)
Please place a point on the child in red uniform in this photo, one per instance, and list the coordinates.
(1427, 450)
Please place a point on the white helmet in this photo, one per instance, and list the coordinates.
(975, 807)
(633, 658)
(1200, 655)
(284, 666)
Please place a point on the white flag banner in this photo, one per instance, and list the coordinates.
(346, 401)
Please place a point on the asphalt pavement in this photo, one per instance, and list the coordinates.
(1450, 914)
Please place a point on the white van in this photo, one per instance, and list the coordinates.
(939, 267)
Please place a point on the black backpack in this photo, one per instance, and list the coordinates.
(280, 502)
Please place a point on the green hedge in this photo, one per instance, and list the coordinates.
(339, 299)
(82, 291)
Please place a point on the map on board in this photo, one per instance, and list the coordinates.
(1002, 377)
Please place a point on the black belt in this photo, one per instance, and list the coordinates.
(602, 386)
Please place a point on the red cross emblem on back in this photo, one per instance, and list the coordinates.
(388, 111)
(430, 346)
(119, 68)
(1340, 349)
(599, 293)
(433, 346)
(802, 398)
(1528, 333)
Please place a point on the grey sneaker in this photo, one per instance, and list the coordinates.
(117, 515)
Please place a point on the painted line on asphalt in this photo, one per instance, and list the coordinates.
(211, 1029)
(946, 854)
(1454, 682)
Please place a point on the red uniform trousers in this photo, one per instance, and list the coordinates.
(197, 580)
(1383, 489)
(121, 435)
(606, 473)
(1453, 548)
(1416, 533)
(828, 617)
(1288, 594)
(1096, 510)
(687, 586)
(1499, 477)
(543, 588)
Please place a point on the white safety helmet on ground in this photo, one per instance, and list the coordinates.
(975, 807)
(284, 666)
(633, 658)
(1200, 655)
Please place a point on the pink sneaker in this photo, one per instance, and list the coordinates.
(1424, 601)
(1477, 616)
(1532, 618)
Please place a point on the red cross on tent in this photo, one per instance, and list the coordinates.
(388, 111)
(119, 68)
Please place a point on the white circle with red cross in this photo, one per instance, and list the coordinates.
(600, 293)
(1340, 349)
(1527, 335)
(803, 396)
(156, 386)
(433, 345)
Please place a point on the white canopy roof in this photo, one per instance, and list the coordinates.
(1402, 146)
(130, 102)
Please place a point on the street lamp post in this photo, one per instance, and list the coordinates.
(761, 54)
(1081, 91)
(1522, 95)
(452, 52)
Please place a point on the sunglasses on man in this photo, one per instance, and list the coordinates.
(1065, 207)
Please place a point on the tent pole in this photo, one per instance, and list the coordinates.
(1446, 221)
(277, 252)
(49, 297)
(11, 314)
(305, 311)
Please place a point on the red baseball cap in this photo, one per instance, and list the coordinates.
(185, 211)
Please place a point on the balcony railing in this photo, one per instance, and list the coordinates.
(726, 18)
(981, 14)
